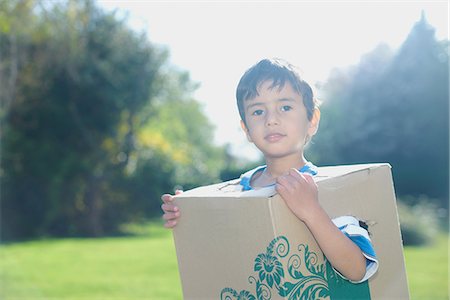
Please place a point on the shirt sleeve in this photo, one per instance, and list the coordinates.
(350, 227)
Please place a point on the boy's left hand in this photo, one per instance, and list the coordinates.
(300, 193)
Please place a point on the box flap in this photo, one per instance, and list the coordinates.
(232, 188)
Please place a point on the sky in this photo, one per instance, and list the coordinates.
(217, 41)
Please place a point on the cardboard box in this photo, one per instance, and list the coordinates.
(249, 245)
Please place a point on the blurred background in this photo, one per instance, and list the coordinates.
(106, 105)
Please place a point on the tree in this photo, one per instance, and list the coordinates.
(393, 107)
(77, 108)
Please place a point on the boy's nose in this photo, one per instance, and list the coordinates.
(272, 119)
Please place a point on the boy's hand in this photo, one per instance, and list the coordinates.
(300, 193)
(171, 211)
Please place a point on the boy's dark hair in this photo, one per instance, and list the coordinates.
(279, 72)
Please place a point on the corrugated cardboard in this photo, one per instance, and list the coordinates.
(249, 245)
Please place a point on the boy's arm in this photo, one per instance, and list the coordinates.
(300, 193)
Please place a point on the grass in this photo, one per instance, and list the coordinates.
(145, 267)
(427, 269)
(142, 267)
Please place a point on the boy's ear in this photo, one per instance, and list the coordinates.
(244, 127)
(314, 123)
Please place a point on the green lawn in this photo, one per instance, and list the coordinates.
(144, 267)
(427, 269)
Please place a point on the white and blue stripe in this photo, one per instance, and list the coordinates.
(246, 178)
(351, 228)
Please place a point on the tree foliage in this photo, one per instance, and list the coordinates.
(393, 107)
(83, 102)
(182, 130)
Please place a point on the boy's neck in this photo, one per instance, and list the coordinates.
(280, 166)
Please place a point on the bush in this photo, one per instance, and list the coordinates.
(419, 221)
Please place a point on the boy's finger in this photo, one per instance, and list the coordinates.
(294, 172)
(170, 224)
(167, 198)
(286, 182)
(297, 174)
(169, 207)
(281, 180)
(293, 177)
(177, 192)
(309, 178)
(281, 189)
(171, 216)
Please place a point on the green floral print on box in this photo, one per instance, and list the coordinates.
(308, 277)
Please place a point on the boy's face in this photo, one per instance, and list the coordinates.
(277, 122)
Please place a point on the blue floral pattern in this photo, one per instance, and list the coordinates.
(270, 269)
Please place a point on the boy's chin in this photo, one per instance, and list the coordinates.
(282, 155)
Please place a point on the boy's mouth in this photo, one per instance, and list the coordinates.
(274, 137)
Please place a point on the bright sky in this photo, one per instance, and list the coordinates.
(217, 41)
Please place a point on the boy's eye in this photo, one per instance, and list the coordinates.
(286, 108)
(257, 112)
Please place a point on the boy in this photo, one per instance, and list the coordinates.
(279, 114)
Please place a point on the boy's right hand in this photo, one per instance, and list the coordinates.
(171, 211)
